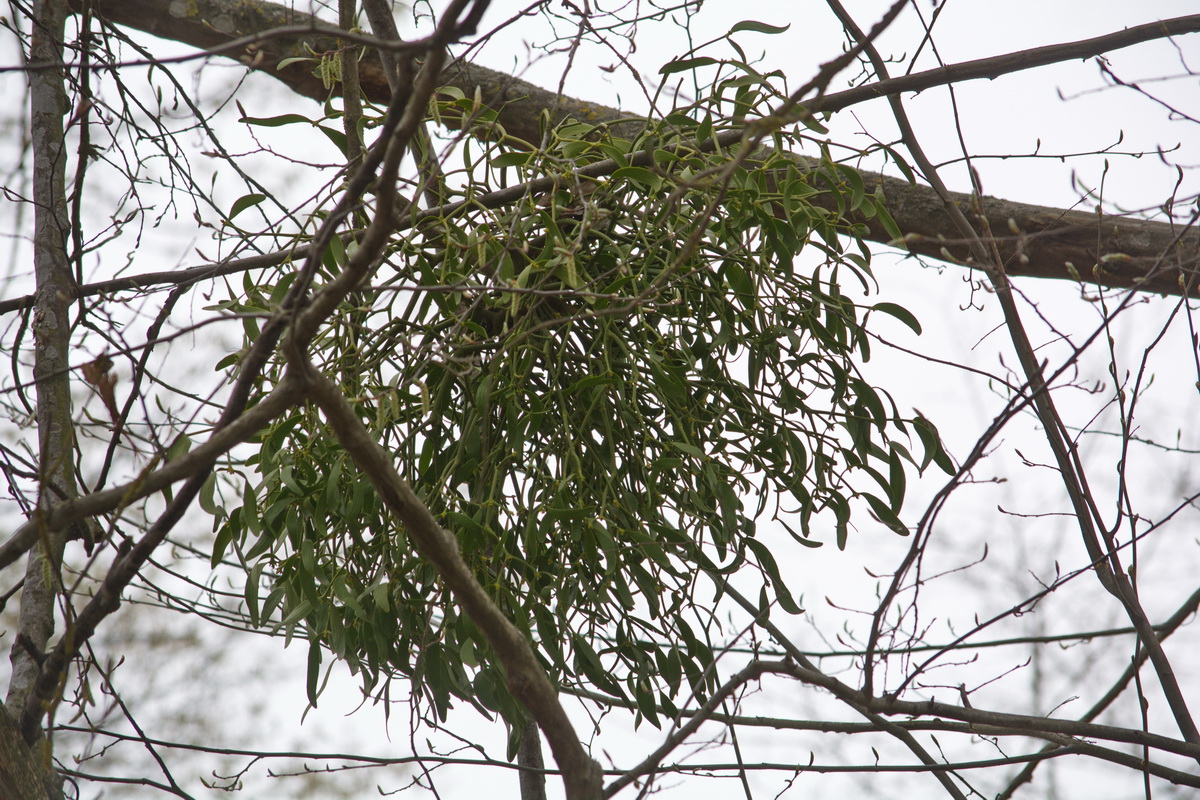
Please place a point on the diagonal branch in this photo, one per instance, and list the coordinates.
(236, 425)
(801, 667)
(526, 678)
(653, 762)
(843, 692)
(1043, 242)
(996, 66)
(1099, 543)
(1184, 612)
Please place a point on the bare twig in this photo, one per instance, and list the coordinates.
(1097, 540)
(1054, 243)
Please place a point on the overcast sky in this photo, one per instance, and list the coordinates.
(1060, 110)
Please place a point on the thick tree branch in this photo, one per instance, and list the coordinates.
(150, 482)
(130, 560)
(1006, 64)
(1038, 241)
(533, 766)
(526, 679)
(1099, 542)
(48, 106)
(19, 777)
(50, 671)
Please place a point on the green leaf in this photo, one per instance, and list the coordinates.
(314, 671)
(221, 543)
(810, 543)
(244, 202)
(588, 662)
(512, 160)
(808, 120)
(208, 494)
(287, 62)
(684, 64)
(857, 189)
(336, 136)
(483, 392)
(757, 27)
(766, 559)
(841, 511)
(896, 479)
(618, 149)
(179, 447)
(886, 515)
(885, 219)
(228, 361)
(381, 595)
(690, 449)
(639, 175)
(273, 601)
(275, 122)
(932, 444)
(646, 704)
(901, 165)
(739, 280)
(899, 312)
(252, 586)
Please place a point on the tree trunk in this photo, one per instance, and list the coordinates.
(52, 331)
(24, 775)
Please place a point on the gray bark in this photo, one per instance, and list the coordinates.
(25, 774)
(1035, 241)
(51, 330)
(529, 758)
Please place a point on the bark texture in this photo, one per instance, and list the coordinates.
(51, 331)
(529, 757)
(1036, 241)
(20, 779)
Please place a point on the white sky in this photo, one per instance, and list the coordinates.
(1061, 108)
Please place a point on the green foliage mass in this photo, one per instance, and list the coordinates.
(601, 389)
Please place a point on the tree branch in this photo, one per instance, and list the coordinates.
(1099, 542)
(150, 482)
(752, 672)
(176, 277)
(996, 66)
(1043, 242)
(19, 777)
(1037, 726)
(107, 598)
(526, 679)
(48, 106)
(860, 707)
(1184, 612)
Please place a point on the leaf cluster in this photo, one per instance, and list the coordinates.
(586, 385)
